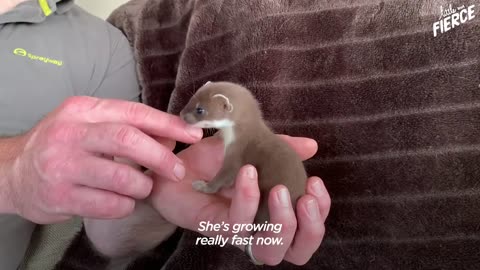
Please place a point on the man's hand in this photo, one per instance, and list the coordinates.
(65, 167)
(301, 233)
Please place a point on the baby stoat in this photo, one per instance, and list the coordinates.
(233, 110)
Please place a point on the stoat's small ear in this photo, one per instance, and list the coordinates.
(207, 82)
(229, 107)
(226, 102)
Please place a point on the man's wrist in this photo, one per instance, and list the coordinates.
(9, 150)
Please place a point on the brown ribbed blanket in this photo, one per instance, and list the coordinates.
(395, 110)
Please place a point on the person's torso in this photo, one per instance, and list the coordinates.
(42, 64)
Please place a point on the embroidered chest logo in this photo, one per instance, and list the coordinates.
(47, 60)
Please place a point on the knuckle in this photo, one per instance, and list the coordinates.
(146, 189)
(92, 206)
(136, 112)
(121, 178)
(289, 226)
(127, 136)
(167, 122)
(167, 158)
(251, 194)
(79, 103)
(116, 207)
(72, 102)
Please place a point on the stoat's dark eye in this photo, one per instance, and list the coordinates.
(200, 110)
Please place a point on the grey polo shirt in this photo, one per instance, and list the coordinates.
(51, 50)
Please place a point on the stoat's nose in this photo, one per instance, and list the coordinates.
(188, 118)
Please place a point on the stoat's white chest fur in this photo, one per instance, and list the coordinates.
(226, 129)
(228, 136)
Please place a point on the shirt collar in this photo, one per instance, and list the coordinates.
(35, 11)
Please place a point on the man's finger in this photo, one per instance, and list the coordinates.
(148, 119)
(309, 235)
(305, 147)
(316, 188)
(112, 176)
(169, 143)
(246, 197)
(96, 203)
(281, 212)
(128, 142)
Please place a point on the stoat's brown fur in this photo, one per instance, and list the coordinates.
(233, 110)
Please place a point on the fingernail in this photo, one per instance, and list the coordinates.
(179, 171)
(317, 187)
(195, 132)
(251, 172)
(283, 197)
(312, 209)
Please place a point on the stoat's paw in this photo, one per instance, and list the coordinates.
(202, 186)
